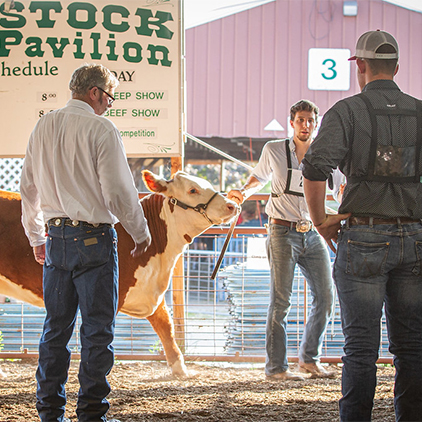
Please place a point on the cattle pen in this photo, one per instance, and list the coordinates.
(220, 327)
(223, 348)
(223, 320)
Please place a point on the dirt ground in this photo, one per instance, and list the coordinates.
(146, 391)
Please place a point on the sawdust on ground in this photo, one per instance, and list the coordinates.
(146, 391)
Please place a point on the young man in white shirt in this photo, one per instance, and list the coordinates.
(292, 240)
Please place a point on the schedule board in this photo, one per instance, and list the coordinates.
(140, 41)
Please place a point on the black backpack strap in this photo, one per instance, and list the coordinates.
(374, 136)
(418, 141)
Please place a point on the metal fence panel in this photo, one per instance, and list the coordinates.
(224, 317)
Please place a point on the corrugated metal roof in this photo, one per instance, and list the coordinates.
(247, 69)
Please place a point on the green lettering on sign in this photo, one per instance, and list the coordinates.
(119, 10)
(148, 19)
(165, 54)
(9, 38)
(45, 7)
(73, 9)
(85, 16)
(54, 42)
(20, 20)
(132, 46)
(35, 47)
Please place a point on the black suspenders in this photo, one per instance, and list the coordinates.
(289, 174)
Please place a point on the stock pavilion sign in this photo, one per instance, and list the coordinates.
(43, 42)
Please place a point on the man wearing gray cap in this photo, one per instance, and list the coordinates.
(375, 138)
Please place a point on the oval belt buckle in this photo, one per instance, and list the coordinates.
(303, 226)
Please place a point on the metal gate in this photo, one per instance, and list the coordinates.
(224, 319)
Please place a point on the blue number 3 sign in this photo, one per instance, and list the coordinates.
(333, 72)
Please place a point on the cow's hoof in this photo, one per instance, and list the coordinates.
(179, 370)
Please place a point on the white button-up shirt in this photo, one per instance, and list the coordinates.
(272, 166)
(75, 166)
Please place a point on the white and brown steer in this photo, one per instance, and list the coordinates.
(174, 219)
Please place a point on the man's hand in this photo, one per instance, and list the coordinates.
(236, 195)
(250, 187)
(330, 227)
(39, 254)
(140, 248)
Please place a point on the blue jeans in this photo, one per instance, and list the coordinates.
(285, 249)
(380, 266)
(80, 272)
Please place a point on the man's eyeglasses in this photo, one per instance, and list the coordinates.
(111, 99)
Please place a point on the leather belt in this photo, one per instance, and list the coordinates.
(302, 226)
(369, 221)
(65, 221)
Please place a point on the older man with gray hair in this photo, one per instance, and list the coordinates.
(76, 184)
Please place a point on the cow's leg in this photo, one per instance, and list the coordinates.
(162, 324)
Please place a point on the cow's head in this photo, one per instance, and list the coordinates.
(193, 194)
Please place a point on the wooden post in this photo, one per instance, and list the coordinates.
(178, 282)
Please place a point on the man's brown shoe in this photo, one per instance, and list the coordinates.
(316, 370)
(286, 376)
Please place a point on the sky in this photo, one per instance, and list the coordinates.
(408, 4)
(198, 12)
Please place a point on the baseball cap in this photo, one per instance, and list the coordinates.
(369, 42)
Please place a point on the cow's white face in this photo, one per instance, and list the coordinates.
(193, 191)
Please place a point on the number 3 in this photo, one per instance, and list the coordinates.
(334, 72)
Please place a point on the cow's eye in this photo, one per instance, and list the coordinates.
(193, 191)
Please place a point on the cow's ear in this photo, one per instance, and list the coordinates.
(153, 182)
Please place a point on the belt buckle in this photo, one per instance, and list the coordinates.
(303, 226)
